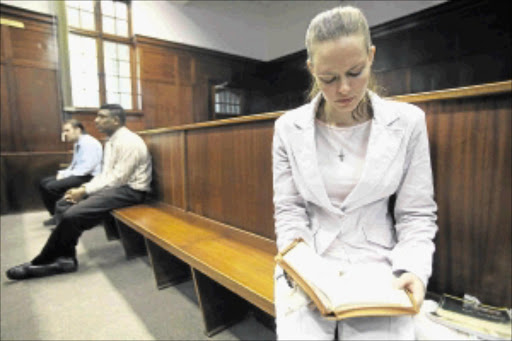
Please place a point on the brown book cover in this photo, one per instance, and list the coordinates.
(338, 295)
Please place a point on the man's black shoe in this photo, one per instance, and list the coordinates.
(28, 270)
(50, 222)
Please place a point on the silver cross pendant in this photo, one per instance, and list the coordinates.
(341, 155)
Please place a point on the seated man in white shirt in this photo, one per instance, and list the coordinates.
(124, 181)
(86, 163)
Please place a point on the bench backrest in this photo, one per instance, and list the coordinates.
(222, 170)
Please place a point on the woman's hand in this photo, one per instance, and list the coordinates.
(412, 283)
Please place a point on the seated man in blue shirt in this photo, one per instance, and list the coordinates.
(86, 163)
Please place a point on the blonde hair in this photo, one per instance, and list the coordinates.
(332, 24)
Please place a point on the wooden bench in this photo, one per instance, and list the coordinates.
(229, 266)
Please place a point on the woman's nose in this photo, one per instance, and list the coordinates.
(344, 86)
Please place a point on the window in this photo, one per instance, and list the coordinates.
(101, 55)
(228, 101)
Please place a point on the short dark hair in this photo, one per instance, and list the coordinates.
(76, 124)
(116, 111)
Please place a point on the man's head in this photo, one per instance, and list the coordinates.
(110, 118)
(72, 129)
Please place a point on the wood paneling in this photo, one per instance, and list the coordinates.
(38, 110)
(176, 81)
(230, 175)
(31, 108)
(158, 65)
(34, 47)
(470, 143)
(168, 156)
(5, 115)
(21, 174)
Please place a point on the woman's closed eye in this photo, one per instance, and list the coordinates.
(327, 80)
(353, 74)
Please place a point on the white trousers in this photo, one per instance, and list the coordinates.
(296, 321)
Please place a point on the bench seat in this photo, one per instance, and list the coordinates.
(238, 260)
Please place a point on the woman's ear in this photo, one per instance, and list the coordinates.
(310, 66)
(371, 54)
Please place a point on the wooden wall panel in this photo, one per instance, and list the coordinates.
(6, 142)
(35, 45)
(471, 147)
(29, 75)
(158, 65)
(21, 173)
(168, 157)
(230, 176)
(176, 81)
(39, 113)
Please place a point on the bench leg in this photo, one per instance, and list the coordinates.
(220, 307)
(109, 224)
(264, 318)
(133, 242)
(168, 269)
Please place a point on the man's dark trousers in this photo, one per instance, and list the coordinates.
(73, 219)
(52, 189)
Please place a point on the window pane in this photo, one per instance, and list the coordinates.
(111, 67)
(123, 52)
(140, 102)
(110, 50)
(126, 101)
(125, 85)
(87, 5)
(122, 28)
(74, 4)
(112, 84)
(113, 98)
(109, 25)
(84, 71)
(107, 8)
(73, 19)
(124, 69)
(121, 10)
(87, 20)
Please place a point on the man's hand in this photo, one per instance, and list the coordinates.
(412, 283)
(74, 195)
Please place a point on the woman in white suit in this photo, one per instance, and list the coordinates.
(336, 162)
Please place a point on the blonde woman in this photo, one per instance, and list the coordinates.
(336, 162)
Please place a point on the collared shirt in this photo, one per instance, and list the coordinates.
(87, 154)
(126, 161)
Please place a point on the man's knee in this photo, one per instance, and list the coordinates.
(43, 184)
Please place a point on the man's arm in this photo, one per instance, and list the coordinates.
(88, 159)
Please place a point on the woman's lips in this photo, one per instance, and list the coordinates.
(345, 101)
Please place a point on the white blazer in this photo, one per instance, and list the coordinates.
(397, 162)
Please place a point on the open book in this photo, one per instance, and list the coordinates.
(360, 291)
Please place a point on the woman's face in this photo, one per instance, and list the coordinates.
(342, 70)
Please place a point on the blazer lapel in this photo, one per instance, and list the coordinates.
(383, 146)
(304, 151)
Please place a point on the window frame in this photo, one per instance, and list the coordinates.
(100, 37)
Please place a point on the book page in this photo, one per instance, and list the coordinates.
(366, 285)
